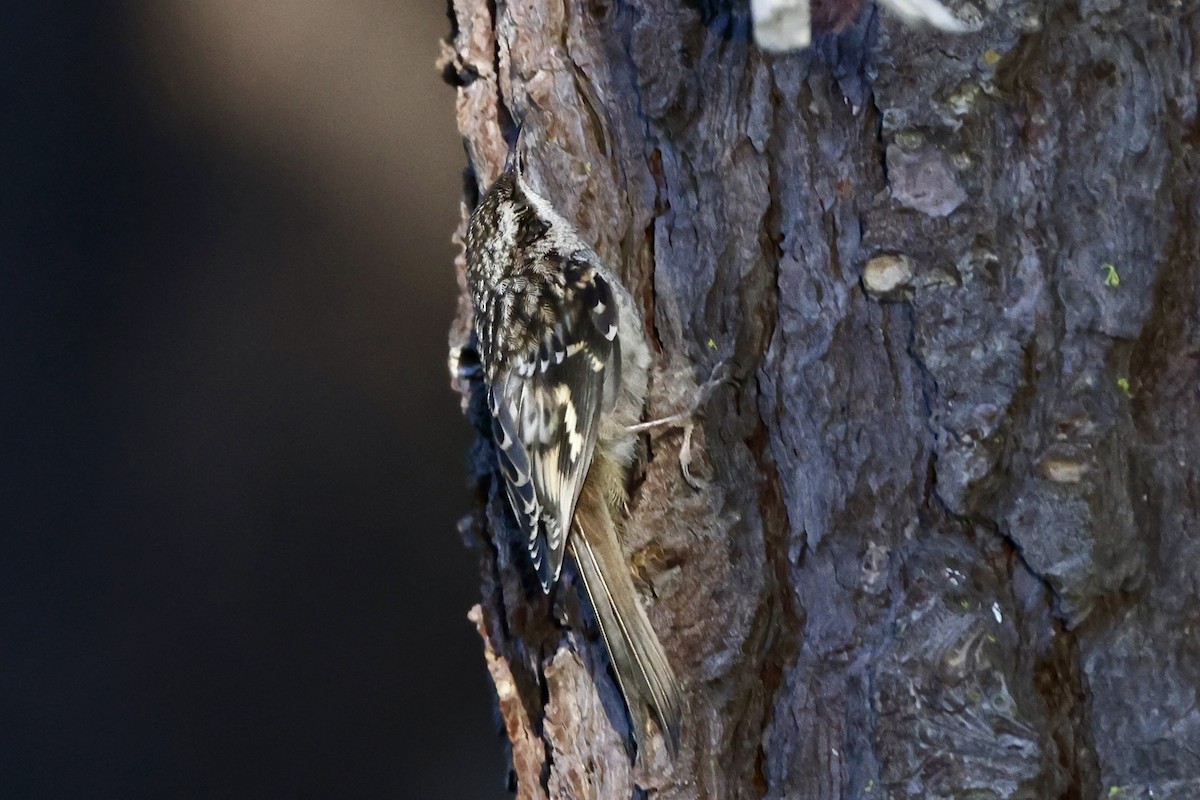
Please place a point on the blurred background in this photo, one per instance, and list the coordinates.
(232, 463)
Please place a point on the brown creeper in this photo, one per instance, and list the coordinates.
(566, 367)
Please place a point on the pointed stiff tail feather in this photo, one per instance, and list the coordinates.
(645, 676)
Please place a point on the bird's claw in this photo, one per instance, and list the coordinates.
(721, 374)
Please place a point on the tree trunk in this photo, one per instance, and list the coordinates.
(947, 540)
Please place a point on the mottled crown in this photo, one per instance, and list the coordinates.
(504, 225)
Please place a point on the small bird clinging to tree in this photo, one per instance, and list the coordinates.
(566, 369)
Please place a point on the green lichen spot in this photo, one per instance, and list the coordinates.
(1111, 278)
(1123, 385)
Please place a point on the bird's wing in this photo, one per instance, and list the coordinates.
(546, 411)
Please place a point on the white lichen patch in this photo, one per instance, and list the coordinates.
(887, 274)
(1064, 470)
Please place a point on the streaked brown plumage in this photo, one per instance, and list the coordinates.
(566, 365)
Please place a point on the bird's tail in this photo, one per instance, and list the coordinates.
(645, 676)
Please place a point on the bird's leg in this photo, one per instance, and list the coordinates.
(686, 419)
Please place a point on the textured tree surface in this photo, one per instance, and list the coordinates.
(948, 539)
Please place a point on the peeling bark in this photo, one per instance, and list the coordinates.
(948, 540)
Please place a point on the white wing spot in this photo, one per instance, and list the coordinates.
(574, 438)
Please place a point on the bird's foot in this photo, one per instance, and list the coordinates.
(686, 419)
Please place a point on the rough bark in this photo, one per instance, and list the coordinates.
(948, 540)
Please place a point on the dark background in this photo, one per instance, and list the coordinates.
(232, 464)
